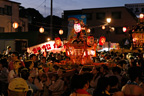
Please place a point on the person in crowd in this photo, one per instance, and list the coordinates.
(114, 90)
(116, 72)
(79, 85)
(133, 86)
(3, 77)
(26, 56)
(103, 87)
(14, 57)
(104, 71)
(57, 87)
(15, 72)
(96, 76)
(17, 87)
(32, 89)
(8, 50)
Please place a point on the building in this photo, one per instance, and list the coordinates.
(96, 17)
(136, 8)
(9, 13)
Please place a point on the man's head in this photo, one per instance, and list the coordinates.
(14, 56)
(33, 57)
(17, 87)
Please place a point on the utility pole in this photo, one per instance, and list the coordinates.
(51, 20)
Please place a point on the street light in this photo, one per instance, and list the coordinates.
(108, 20)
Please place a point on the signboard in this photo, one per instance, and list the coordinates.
(49, 46)
(71, 21)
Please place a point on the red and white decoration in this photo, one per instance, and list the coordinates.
(102, 40)
(49, 46)
(90, 40)
(77, 27)
(58, 42)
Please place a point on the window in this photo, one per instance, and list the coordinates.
(100, 15)
(89, 16)
(131, 9)
(136, 10)
(8, 10)
(142, 9)
(116, 15)
(1, 11)
(1, 29)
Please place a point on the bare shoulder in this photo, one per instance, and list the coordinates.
(119, 93)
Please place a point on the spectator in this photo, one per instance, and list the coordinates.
(15, 72)
(79, 85)
(103, 87)
(17, 87)
(14, 57)
(133, 88)
(3, 77)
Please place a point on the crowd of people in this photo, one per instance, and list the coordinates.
(45, 75)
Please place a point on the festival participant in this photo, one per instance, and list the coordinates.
(103, 87)
(3, 77)
(133, 86)
(96, 76)
(79, 85)
(8, 50)
(15, 72)
(114, 90)
(24, 73)
(57, 88)
(17, 87)
(14, 57)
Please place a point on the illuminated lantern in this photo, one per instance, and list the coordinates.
(77, 27)
(88, 30)
(141, 16)
(15, 25)
(102, 40)
(103, 27)
(58, 42)
(90, 40)
(60, 31)
(124, 29)
(41, 30)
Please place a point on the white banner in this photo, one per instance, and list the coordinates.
(49, 46)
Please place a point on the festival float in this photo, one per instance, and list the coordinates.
(82, 47)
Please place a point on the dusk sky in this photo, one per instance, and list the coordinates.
(43, 6)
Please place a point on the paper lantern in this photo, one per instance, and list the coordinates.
(15, 25)
(41, 30)
(90, 40)
(58, 42)
(102, 40)
(60, 31)
(124, 29)
(77, 27)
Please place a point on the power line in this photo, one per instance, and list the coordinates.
(40, 4)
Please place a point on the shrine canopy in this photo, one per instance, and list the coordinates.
(48, 46)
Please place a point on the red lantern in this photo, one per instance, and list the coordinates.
(90, 40)
(102, 40)
(58, 42)
(124, 29)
